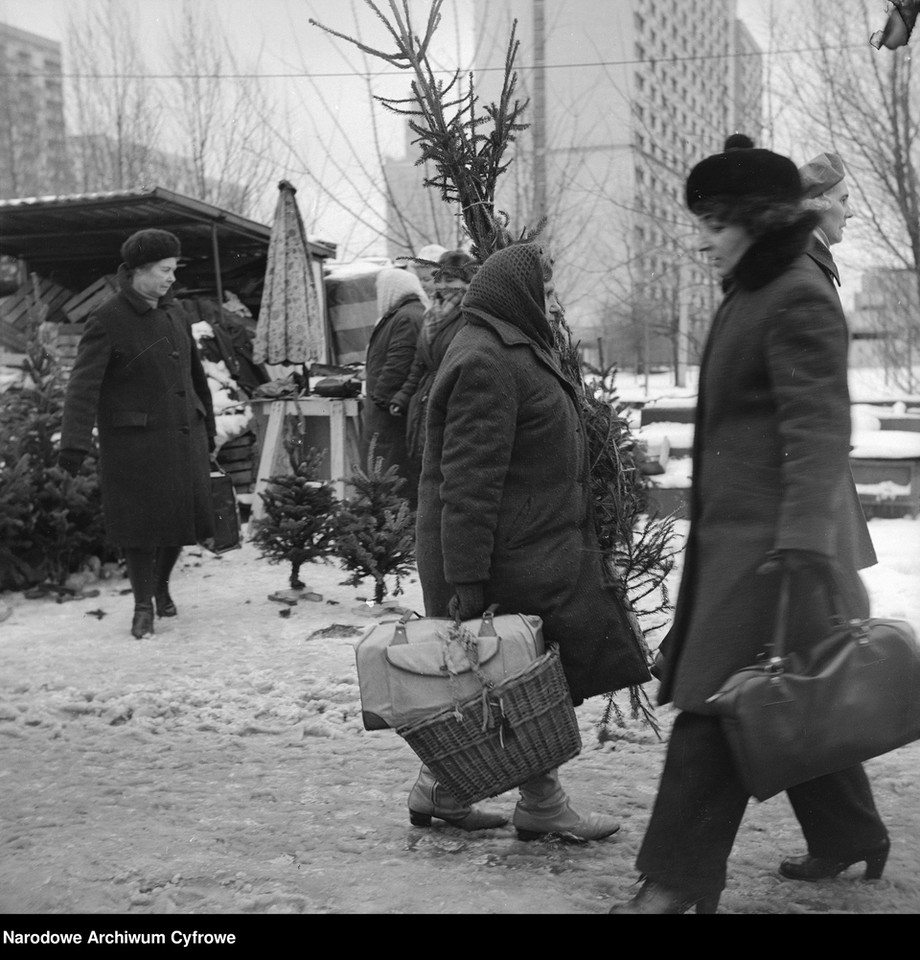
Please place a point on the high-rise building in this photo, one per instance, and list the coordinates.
(33, 156)
(625, 97)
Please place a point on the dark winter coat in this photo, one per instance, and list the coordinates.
(390, 353)
(504, 499)
(413, 397)
(138, 377)
(770, 466)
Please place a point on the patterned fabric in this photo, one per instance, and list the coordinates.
(509, 287)
(291, 327)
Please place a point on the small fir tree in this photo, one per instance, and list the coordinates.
(375, 529)
(299, 510)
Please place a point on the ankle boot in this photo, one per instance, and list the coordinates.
(544, 810)
(166, 558)
(656, 899)
(142, 624)
(823, 868)
(140, 573)
(428, 799)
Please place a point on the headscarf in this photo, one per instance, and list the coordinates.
(509, 287)
(395, 285)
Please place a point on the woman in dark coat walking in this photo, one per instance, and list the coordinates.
(139, 379)
(505, 513)
(401, 304)
(440, 324)
(771, 476)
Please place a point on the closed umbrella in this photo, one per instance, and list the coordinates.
(291, 327)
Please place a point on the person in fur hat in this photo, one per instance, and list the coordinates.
(771, 478)
(401, 304)
(139, 379)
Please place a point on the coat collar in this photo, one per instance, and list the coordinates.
(820, 252)
(772, 254)
(513, 336)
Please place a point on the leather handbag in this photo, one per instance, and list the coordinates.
(408, 669)
(852, 695)
(225, 513)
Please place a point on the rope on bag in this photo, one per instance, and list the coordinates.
(461, 635)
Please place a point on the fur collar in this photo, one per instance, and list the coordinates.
(774, 253)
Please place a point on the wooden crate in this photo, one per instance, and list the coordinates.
(39, 299)
(82, 304)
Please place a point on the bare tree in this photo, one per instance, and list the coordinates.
(862, 104)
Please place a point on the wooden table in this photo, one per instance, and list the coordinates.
(336, 430)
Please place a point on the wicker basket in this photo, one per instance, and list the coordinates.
(530, 728)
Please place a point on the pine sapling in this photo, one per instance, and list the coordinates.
(375, 528)
(299, 509)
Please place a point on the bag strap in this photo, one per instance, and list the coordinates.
(777, 648)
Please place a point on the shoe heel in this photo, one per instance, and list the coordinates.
(419, 819)
(528, 834)
(708, 904)
(875, 865)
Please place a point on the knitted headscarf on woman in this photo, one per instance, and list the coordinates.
(509, 287)
(395, 285)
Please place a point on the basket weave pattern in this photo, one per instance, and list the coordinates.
(530, 728)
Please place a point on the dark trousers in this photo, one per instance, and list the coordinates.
(701, 802)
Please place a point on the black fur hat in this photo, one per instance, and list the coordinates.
(743, 171)
(149, 246)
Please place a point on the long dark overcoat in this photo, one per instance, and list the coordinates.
(504, 498)
(770, 467)
(390, 353)
(138, 377)
(413, 397)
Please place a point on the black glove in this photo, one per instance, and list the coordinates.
(71, 461)
(794, 561)
(468, 601)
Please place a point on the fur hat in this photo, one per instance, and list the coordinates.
(149, 246)
(743, 172)
(820, 174)
(456, 265)
(395, 285)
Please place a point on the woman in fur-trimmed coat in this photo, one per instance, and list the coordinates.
(772, 492)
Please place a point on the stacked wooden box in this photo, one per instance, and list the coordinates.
(36, 301)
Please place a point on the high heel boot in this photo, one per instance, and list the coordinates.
(544, 810)
(429, 800)
(823, 868)
(166, 558)
(653, 898)
(140, 573)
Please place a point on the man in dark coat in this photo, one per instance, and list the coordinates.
(770, 476)
(505, 513)
(401, 303)
(139, 379)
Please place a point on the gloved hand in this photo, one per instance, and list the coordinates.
(794, 561)
(396, 410)
(71, 461)
(468, 601)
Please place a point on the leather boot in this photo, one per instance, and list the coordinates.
(140, 573)
(544, 810)
(655, 899)
(166, 558)
(823, 868)
(428, 799)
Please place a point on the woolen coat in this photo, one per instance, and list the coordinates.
(139, 379)
(504, 498)
(770, 468)
(390, 353)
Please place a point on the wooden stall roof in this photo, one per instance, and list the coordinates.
(79, 235)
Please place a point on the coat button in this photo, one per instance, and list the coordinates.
(175, 354)
(183, 429)
(180, 393)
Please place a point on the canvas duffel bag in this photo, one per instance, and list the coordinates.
(403, 670)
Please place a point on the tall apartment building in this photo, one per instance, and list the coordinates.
(634, 93)
(33, 155)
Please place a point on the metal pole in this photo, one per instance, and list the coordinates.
(539, 110)
(216, 255)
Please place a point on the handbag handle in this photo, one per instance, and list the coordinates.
(777, 648)
(486, 628)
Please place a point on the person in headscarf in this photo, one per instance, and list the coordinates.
(430, 254)
(401, 304)
(771, 480)
(442, 320)
(138, 376)
(506, 517)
